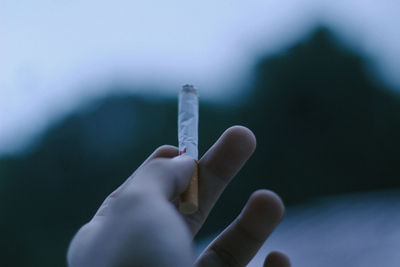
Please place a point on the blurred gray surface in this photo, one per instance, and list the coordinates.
(351, 230)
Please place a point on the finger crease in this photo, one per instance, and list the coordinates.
(227, 258)
(248, 235)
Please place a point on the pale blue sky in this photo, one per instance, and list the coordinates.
(56, 54)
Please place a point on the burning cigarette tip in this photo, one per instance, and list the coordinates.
(189, 88)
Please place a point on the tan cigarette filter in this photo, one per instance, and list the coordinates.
(190, 197)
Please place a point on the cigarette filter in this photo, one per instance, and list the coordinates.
(188, 121)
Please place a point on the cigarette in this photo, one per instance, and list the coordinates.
(188, 121)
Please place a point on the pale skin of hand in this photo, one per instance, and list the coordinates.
(139, 225)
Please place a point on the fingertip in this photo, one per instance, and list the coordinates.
(277, 259)
(269, 203)
(242, 136)
(165, 151)
(231, 151)
(262, 213)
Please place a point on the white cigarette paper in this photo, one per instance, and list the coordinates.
(188, 121)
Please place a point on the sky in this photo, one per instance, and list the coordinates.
(57, 54)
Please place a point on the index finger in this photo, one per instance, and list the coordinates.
(217, 168)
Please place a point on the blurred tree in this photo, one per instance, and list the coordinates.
(322, 127)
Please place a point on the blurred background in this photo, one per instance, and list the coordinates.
(86, 88)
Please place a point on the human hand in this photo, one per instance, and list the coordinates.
(139, 224)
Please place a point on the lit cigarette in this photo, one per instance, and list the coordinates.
(188, 121)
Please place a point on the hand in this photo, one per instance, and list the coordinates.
(139, 225)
